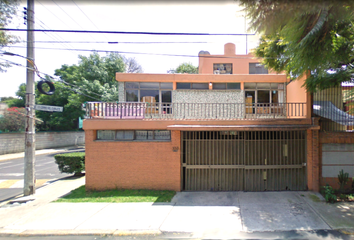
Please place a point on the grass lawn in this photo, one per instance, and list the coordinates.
(117, 196)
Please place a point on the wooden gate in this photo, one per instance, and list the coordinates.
(244, 160)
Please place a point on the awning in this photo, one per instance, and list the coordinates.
(328, 110)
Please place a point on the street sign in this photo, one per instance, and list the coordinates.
(48, 108)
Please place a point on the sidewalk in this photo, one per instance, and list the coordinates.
(202, 214)
(10, 156)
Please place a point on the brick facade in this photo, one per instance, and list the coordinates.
(313, 160)
(333, 137)
(133, 165)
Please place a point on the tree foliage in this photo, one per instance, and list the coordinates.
(132, 66)
(298, 37)
(8, 9)
(92, 79)
(13, 120)
(185, 68)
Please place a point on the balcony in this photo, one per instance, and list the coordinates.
(194, 111)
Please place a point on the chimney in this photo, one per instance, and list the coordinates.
(229, 49)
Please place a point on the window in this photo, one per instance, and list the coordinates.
(151, 92)
(264, 92)
(223, 86)
(197, 86)
(134, 135)
(222, 68)
(257, 68)
(264, 98)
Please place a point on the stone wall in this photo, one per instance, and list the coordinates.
(15, 142)
(208, 104)
(121, 92)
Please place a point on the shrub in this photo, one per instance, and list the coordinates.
(71, 162)
(343, 178)
(329, 195)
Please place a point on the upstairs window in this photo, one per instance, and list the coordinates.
(196, 86)
(224, 86)
(222, 68)
(257, 68)
(151, 92)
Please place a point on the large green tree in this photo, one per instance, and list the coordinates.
(185, 68)
(8, 9)
(92, 79)
(305, 36)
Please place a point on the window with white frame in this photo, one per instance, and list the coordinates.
(265, 92)
(134, 135)
(150, 92)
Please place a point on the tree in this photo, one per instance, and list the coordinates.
(185, 68)
(13, 120)
(315, 36)
(93, 79)
(8, 9)
(132, 66)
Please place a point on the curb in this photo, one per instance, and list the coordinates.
(52, 150)
(113, 232)
(346, 231)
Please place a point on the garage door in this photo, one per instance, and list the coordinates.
(243, 160)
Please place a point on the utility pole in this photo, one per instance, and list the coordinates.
(29, 187)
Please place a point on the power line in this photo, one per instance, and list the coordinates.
(53, 35)
(71, 17)
(141, 53)
(116, 42)
(80, 93)
(123, 32)
(53, 13)
(87, 17)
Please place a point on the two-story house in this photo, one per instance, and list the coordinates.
(235, 126)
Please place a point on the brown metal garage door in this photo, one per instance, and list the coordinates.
(244, 160)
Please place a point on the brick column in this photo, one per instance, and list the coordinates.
(313, 161)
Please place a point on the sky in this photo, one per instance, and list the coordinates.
(156, 54)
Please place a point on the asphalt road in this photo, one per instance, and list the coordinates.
(12, 174)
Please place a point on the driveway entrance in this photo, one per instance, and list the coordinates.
(222, 212)
(244, 160)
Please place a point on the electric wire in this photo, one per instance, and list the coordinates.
(32, 69)
(87, 17)
(53, 36)
(54, 78)
(141, 53)
(100, 42)
(124, 32)
(53, 15)
(71, 18)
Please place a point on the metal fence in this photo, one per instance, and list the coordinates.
(222, 111)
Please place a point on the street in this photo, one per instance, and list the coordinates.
(319, 234)
(12, 174)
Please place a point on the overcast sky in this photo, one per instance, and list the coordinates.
(133, 16)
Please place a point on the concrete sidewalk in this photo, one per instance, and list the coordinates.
(202, 214)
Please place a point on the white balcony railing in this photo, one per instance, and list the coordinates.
(221, 111)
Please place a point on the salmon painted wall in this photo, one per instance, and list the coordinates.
(240, 63)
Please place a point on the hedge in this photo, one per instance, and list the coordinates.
(71, 162)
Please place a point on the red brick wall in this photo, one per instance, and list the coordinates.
(132, 165)
(313, 160)
(334, 137)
